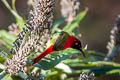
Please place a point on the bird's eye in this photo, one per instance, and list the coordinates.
(76, 43)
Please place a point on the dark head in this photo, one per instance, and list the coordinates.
(77, 45)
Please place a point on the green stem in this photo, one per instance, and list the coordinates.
(12, 10)
(13, 5)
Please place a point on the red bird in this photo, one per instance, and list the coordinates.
(63, 41)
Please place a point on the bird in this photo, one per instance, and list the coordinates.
(60, 42)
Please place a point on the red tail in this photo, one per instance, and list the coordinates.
(47, 51)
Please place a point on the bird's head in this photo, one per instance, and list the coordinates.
(65, 40)
(77, 45)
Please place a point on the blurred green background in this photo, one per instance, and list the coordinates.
(95, 28)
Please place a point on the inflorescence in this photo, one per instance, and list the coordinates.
(36, 33)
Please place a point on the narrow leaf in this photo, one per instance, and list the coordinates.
(4, 49)
(4, 55)
(57, 24)
(2, 74)
(75, 22)
(7, 77)
(7, 38)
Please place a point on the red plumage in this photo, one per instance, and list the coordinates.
(68, 43)
(44, 53)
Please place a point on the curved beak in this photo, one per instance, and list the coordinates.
(82, 52)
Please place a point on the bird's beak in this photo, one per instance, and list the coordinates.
(82, 52)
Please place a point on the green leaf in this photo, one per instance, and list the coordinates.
(47, 63)
(97, 67)
(113, 71)
(54, 58)
(2, 59)
(57, 24)
(7, 77)
(4, 49)
(22, 75)
(4, 33)
(83, 63)
(92, 55)
(77, 63)
(4, 55)
(75, 22)
(7, 38)
(2, 74)
(20, 23)
(102, 70)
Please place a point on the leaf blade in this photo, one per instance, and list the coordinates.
(7, 77)
(75, 22)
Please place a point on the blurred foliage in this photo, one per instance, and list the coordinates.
(59, 65)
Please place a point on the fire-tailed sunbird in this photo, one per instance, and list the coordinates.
(63, 41)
